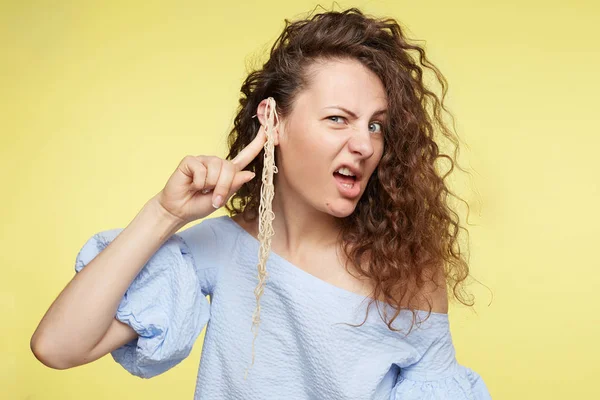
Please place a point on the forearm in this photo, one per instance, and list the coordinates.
(82, 313)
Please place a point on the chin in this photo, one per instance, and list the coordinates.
(340, 208)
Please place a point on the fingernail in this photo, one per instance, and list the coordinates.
(217, 202)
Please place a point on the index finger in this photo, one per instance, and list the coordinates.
(250, 152)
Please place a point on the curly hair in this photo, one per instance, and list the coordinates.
(402, 233)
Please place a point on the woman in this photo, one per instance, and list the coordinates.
(358, 218)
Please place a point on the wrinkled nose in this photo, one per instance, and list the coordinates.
(361, 143)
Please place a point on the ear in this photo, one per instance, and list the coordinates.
(261, 113)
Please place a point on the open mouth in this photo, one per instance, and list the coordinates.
(344, 180)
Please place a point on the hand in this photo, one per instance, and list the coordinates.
(202, 184)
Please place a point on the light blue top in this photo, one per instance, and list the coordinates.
(303, 349)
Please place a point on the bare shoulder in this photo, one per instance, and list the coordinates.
(433, 293)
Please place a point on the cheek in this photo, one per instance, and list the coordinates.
(305, 167)
(306, 150)
(379, 153)
(306, 138)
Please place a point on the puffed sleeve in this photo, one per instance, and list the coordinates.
(438, 376)
(165, 304)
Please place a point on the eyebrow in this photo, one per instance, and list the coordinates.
(384, 111)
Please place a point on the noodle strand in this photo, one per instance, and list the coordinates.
(266, 216)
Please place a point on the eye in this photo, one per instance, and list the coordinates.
(336, 116)
(331, 118)
(377, 123)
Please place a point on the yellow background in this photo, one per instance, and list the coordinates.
(101, 100)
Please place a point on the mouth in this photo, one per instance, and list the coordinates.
(345, 179)
(348, 186)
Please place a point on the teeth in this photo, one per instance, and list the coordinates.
(348, 185)
(345, 171)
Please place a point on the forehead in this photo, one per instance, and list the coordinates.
(345, 82)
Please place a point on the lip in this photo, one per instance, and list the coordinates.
(352, 192)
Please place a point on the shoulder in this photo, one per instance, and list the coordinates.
(432, 293)
(207, 231)
(209, 239)
(199, 234)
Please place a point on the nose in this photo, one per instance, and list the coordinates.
(361, 143)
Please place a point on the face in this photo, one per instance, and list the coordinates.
(336, 121)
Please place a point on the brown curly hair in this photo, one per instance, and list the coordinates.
(402, 234)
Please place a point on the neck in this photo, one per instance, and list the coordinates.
(300, 229)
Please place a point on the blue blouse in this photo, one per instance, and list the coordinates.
(304, 349)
